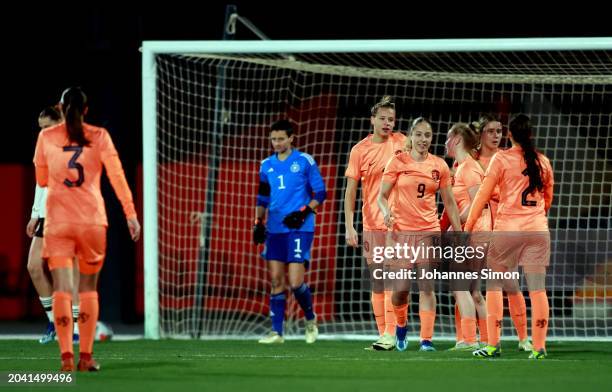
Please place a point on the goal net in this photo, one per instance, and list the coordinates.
(207, 112)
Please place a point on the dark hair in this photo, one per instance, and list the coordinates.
(51, 112)
(520, 127)
(385, 102)
(483, 120)
(469, 135)
(417, 121)
(283, 125)
(74, 102)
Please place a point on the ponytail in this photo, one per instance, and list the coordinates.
(520, 127)
(74, 102)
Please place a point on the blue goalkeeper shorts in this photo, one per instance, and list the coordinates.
(292, 247)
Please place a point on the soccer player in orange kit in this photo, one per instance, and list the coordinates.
(366, 164)
(415, 176)
(521, 234)
(461, 144)
(69, 158)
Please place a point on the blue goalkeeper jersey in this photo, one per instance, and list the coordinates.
(293, 183)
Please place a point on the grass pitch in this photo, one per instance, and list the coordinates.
(177, 365)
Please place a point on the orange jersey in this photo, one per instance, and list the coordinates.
(517, 209)
(469, 174)
(415, 186)
(367, 163)
(72, 175)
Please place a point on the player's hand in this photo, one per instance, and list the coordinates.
(296, 219)
(259, 232)
(31, 227)
(134, 227)
(389, 220)
(351, 237)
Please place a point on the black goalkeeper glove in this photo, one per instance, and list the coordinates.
(259, 232)
(296, 219)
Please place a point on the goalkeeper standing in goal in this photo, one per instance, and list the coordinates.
(521, 234)
(290, 189)
(366, 164)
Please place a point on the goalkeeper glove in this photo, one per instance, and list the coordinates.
(259, 232)
(296, 219)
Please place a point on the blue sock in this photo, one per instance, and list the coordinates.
(302, 294)
(400, 332)
(277, 311)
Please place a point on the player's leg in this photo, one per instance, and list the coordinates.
(380, 297)
(275, 254)
(58, 248)
(61, 271)
(466, 308)
(518, 313)
(91, 250)
(399, 300)
(540, 311)
(41, 279)
(503, 256)
(299, 257)
(534, 260)
(75, 299)
(427, 308)
(495, 314)
(480, 304)
(278, 301)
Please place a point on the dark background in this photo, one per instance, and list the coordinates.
(49, 47)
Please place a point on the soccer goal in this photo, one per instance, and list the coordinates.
(207, 107)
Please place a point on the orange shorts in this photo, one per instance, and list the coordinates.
(373, 239)
(530, 250)
(67, 240)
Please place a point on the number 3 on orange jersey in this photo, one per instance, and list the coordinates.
(73, 164)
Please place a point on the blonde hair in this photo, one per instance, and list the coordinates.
(385, 102)
(469, 134)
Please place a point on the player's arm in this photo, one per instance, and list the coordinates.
(383, 202)
(36, 207)
(263, 200)
(480, 200)
(352, 175)
(548, 188)
(116, 176)
(450, 205)
(350, 194)
(40, 162)
(388, 182)
(296, 219)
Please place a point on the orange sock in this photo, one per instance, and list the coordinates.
(401, 314)
(62, 315)
(539, 318)
(378, 306)
(518, 312)
(389, 314)
(483, 330)
(458, 331)
(428, 318)
(495, 314)
(88, 318)
(468, 326)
